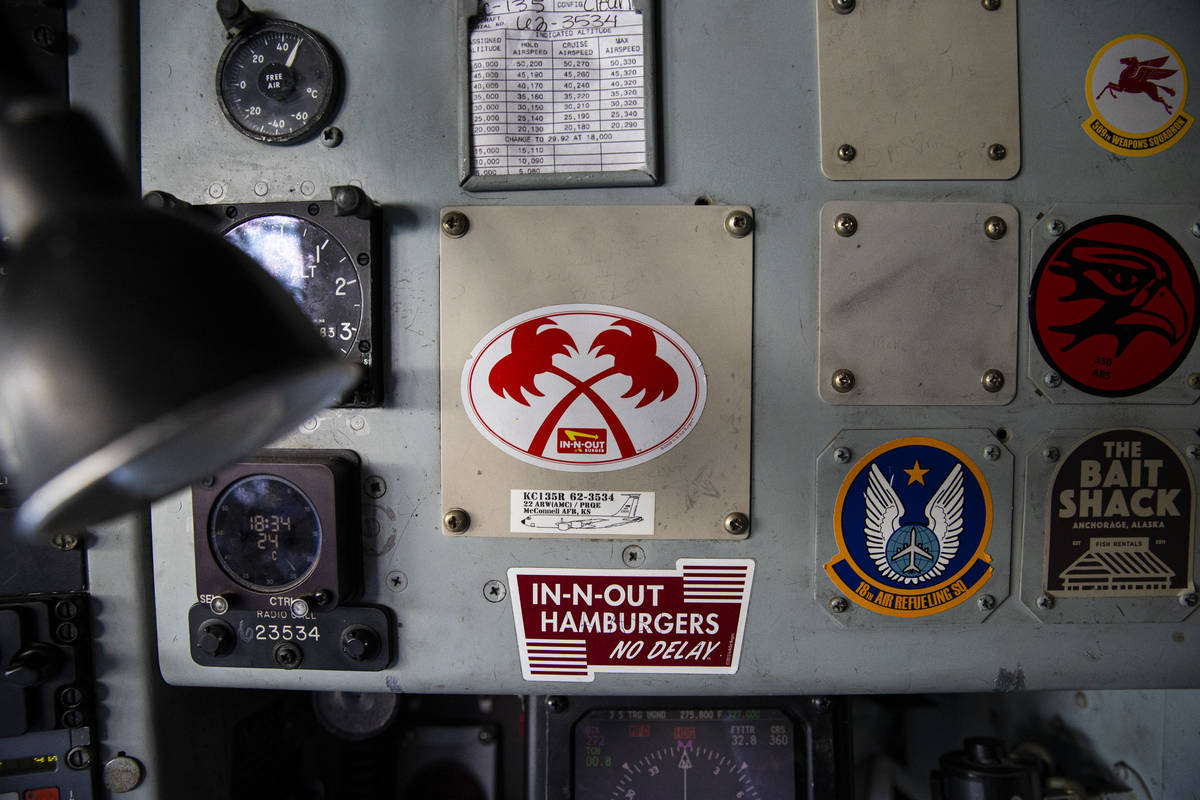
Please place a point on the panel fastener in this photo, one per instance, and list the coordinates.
(739, 224)
(845, 225)
(456, 521)
(736, 523)
(455, 224)
(995, 228)
(843, 381)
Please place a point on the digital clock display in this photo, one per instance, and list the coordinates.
(689, 754)
(28, 765)
(265, 533)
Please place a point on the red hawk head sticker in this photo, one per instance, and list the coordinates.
(1113, 305)
(583, 388)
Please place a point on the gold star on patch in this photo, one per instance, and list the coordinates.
(916, 474)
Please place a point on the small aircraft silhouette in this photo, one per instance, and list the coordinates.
(913, 551)
(626, 515)
(1137, 77)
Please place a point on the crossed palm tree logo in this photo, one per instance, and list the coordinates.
(633, 348)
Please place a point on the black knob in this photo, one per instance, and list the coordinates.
(32, 665)
(360, 643)
(215, 638)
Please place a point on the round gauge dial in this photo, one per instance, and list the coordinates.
(265, 533)
(315, 269)
(278, 82)
(684, 754)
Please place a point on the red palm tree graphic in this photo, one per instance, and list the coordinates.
(536, 342)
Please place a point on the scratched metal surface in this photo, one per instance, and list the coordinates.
(740, 113)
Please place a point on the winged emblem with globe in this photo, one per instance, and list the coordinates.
(906, 552)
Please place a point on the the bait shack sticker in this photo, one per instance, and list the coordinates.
(1121, 518)
(1113, 305)
(1136, 89)
(912, 523)
(574, 623)
(583, 388)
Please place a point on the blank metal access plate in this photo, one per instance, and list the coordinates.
(919, 303)
(920, 90)
(674, 265)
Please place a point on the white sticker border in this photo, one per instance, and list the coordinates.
(592, 671)
(549, 311)
(639, 521)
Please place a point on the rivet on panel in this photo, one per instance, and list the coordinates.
(1051, 454)
(739, 224)
(456, 521)
(1052, 380)
(839, 604)
(986, 602)
(992, 380)
(846, 152)
(990, 5)
(1188, 599)
(991, 452)
(1193, 380)
(1045, 602)
(842, 380)
(736, 523)
(842, 6)
(1055, 227)
(455, 224)
(841, 455)
(494, 591)
(997, 152)
(995, 228)
(845, 225)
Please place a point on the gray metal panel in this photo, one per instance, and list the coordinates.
(909, 273)
(919, 90)
(740, 108)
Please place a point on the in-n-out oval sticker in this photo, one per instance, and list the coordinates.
(1113, 305)
(583, 388)
(1136, 89)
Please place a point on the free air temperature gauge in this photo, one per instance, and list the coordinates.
(277, 81)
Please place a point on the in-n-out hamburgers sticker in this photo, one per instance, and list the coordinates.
(583, 388)
(574, 623)
(1121, 518)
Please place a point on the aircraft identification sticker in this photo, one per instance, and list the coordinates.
(583, 388)
(1137, 88)
(1113, 305)
(583, 512)
(575, 623)
(912, 523)
(1121, 518)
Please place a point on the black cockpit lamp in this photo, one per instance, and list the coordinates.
(138, 352)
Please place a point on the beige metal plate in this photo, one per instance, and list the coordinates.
(920, 89)
(676, 265)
